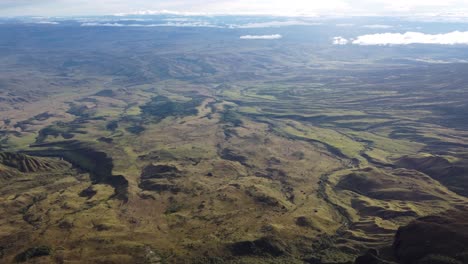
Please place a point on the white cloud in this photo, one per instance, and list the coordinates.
(169, 24)
(185, 24)
(275, 7)
(433, 61)
(162, 12)
(452, 38)
(275, 36)
(340, 41)
(234, 7)
(47, 22)
(93, 24)
(189, 22)
(378, 26)
(174, 7)
(276, 24)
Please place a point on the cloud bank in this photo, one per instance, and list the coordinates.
(162, 12)
(275, 36)
(452, 38)
(190, 22)
(276, 24)
(222, 7)
(169, 24)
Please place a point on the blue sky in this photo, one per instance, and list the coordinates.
(274, 7)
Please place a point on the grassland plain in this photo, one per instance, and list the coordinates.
(269, 158)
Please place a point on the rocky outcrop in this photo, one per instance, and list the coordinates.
(439, 239)
(29, 164)
(160, 178)
(443, 235)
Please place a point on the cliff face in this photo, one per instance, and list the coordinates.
(439, 239)
(28, 164)
(443, 238)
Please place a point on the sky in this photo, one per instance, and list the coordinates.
(267, 7)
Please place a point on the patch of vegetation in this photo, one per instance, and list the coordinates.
(24, 124)
(112, 125)
(80, 110)
(298, 155)
(161, 107)
(135, 129)
(106, 93)
(33, 252)
(106, 140)
(173, 206)
(303, 221)
(229, 116)
(157, 155)
(88, 192)
(159, 185)
(265, 246)
(229, 154)
(209, 260)
(159, 172)
(65, 130)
